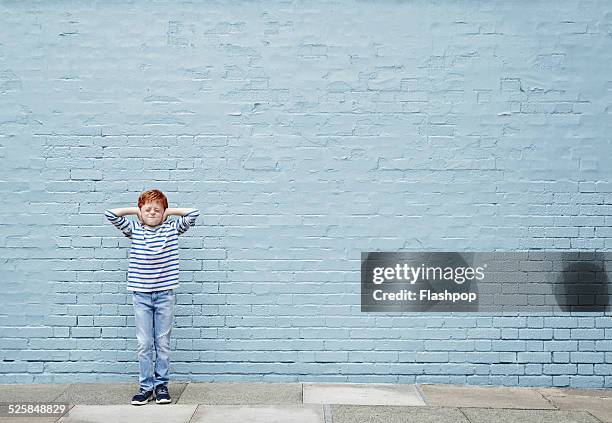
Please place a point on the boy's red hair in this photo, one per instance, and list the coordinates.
(152, 195)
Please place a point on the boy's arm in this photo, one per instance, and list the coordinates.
(187, 219)
(126, 210)
(115, 216)
(179, 212)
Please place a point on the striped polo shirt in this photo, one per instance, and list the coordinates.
(153, 264)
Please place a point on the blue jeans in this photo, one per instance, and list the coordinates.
(153, 316)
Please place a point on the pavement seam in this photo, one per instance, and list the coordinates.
(591, 414)
(71, 405)
(546, 398)
(61, 393)
(193, 414)
(327, 413)
(181, 393)
(421, 393)
(179, 397)
(464, 415)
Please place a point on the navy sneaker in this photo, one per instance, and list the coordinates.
(142, 397)
(161, 394)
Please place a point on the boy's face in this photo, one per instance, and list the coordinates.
(152, 213)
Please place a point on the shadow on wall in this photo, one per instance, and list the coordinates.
(582, 285)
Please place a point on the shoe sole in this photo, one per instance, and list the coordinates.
(141, 402)
(163, 401)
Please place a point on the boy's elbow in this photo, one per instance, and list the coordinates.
(195, 215)
(192, 215)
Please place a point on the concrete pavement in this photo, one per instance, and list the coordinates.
(317, 403)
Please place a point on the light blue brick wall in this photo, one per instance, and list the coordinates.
(306, 133)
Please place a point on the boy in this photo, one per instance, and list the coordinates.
(152, 277)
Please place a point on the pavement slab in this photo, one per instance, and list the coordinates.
(241, 393)
(28, 420)
(564, 392)
(501, 415)
(230, 402)
(362, 394)
(483, 396)
(259, 414)
(109, 393)
(393, 414)
(41, 393)
(150, 413)
(599, 407)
